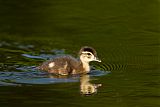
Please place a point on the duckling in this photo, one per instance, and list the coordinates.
(66, 65)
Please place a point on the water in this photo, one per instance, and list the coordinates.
(125, 34)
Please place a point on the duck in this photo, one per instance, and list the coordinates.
(68, 65)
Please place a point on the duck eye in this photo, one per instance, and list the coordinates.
(88, 54)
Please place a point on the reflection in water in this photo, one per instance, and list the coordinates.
(86, 87)
(32, 78)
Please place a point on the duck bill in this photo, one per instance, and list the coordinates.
(96, 59)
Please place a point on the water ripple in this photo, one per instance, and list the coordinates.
(30, 76)
(21, 78)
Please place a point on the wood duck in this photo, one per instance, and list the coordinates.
(66, 65)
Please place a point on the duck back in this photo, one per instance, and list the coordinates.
(63, 65)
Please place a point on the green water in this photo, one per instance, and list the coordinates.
(125, 33)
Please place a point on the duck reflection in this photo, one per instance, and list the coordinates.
(87, 88)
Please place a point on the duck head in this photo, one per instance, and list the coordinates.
(88, 54)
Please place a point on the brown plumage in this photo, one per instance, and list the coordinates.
(65, 65)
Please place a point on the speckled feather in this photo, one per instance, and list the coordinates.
(63, 65)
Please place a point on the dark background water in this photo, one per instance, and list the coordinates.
(125, 33)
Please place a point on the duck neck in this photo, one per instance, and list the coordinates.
(86, 66)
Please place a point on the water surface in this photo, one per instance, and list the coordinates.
(125, 34)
